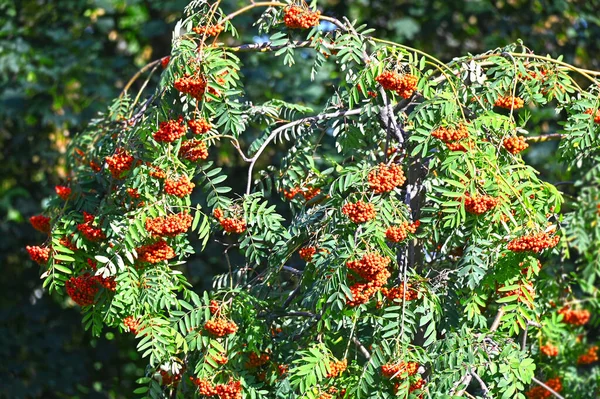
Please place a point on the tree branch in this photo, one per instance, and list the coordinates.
(484, 387)
(546, 387)
(361, 348)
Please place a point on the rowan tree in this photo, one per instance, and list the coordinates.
(424, 258)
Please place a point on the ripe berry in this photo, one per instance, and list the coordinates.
(299, 18)
(164, 61)
(549, 350)
(180, 187)
(119, 162)
(170, 131)
(399, 369)
(403, 85)
(255, 360)
(63, 192)
(156, 252)
(199, 126)
(205, 387)
(230, 225)
(399, 233)
(90, 233)
(133, 193)
(398, 293)
(515, 144)
(307, 253)
(509, 102)
(574, 316)
(193, 150)
(192, 86)
(131, 324)
(540, 392)
(40, 223)
(337, 367)
(208, 31)
(596, 115)
(170, 226)
(83, 289)
(385, 178)
(591, 356)
(157, 173)
(479, 204)
(533, 243)
(220, 327)
(449, 134)
(359, 212)
(38, 254)
(310, 192)
(372, 268)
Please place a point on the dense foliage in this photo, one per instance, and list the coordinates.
(456, 240)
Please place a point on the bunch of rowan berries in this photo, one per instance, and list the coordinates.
(337, 367)
(170, 131)
(230, 225)
(515, 144)
(398, 293)
(180, 187)
(170, 226)
(119, 162)
(282, 369)
(540, 392)
(231, 390)
(95, 166)
(108, 283)
(509, 102)
(220, 359)
(133, 193)
(310, 192)
(63, 192)
(155, 252)
(307, 253)
(576, 317)
(385, 178)
(549, 350)
(214, 307)
(193, 150)
(596, 115)
(591, 356)
(88, 231)
(479, 204)
(205, 387)
(533, 243)
(67, 243)
(220, 327)
(399, 233)
(359, 212)
(199, 126)
(399, 369)
(449, 134)
(418, 384)
(83, 289)
(38, 254)
(131, 324)
(40, 223)
(372, 267)
(168, 378)
(212, 30)
(157, 173)
(255, 360)
(296, 17)
(291, 193)
(195, 87)
(164, 62)
(404, 85)
(464, 147)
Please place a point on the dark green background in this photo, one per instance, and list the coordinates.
(61, 62)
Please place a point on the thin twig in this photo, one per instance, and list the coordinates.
(484, 387)
(546, 387)
(361, 348)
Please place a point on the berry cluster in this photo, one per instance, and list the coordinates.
(38, 254)
(464, 147)
(214, 307)
(170, 226)
(399, 233)
(480, 204)
(307, 192)
(199, 126)
(533, 243)
(193, 150)
(574, 316)
(300, 18)
(156, 252)
(193, 87)
(40, 223)
(359, 212)
(66, 242)
(385, 178)
(417, 385)
(449, 134)
(589, 111)
(509, 102)
(307, 253)
(118, 163)
(83, 289)
(230, 225)
(95, 167)
(589, 357)
(89, 232)
(157, 173)
(404, 85)
(398, 293)
(255, 360)
(170, 131)
(205, 387)
(540, 392)
(169, 379)
(549, 350)
(164, 62)
(371, 267)
(133, 193)
(220, 327)
(400, 369)
(520, 293)
(337, 367)
(515, 144)
(131, 324)
(180, 187)
(282, 369)
(212, 30)
(63, 192)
